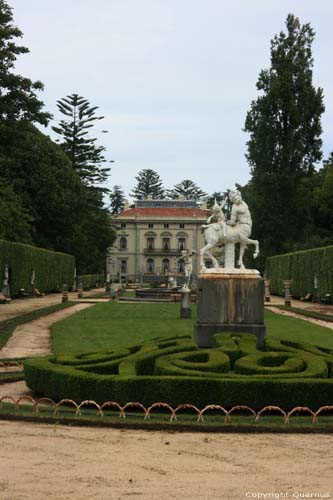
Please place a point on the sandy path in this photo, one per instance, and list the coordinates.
(325, 324)
(57, 462)
(34, 338)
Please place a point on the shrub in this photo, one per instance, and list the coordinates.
(52, 269)
(175, 371)
(302, 267)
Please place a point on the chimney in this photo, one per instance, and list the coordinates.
(149, 197)
(204, 205)
(126, 206)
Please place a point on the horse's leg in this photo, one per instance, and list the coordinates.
(242, 246)
(214, 260)
(202, 261)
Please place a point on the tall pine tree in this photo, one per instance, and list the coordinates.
(87, 158)
(188, 189)
(284, 124)
(117, 200)
(148, 183)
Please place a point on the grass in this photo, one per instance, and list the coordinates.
(115, 325)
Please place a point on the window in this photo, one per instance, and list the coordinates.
(150, 266)
(166, 226)
(181, 244)
(166, 244)
(123, 266)
(181, 226)
(165, 266)
(150, 226)
(123, 243)
(181, 266)
(150, 243)
(123, 225)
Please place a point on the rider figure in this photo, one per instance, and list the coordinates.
(240, 213)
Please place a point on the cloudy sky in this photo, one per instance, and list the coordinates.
(173, 78)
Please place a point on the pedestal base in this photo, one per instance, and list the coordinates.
(229, 303)
(185, 307)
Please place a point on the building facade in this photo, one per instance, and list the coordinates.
(151, 236)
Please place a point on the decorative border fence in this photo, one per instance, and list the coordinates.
(173, 411)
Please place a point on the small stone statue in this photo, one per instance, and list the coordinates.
(6, 276)
(186, 256)
(32, 278)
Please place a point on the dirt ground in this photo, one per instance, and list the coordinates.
(56, 462)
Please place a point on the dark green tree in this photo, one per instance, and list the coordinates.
(86, 156)
(15, 221)
(18, 98)
(148, 183)
(188, 189)
(284, 124)
(117, 200)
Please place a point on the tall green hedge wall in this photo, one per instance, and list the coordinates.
(302, 267)
(52, 269)
(90, 280)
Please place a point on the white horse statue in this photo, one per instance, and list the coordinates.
(236, 230)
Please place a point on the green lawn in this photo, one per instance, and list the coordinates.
(112, 325)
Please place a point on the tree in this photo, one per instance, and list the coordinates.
(149, 183)
(86, 157)
(284, 124)
(18, 99)
(188, 189)
(117, 200)
(15, 221)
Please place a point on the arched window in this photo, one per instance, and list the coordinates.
(181, 244)
(123, 243)
(166, 243)
(150, 265)
(165, 265)
(150, 243)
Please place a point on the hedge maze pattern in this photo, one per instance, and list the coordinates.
(286, 374)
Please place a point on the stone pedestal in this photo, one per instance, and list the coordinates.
(229, 303)
(185, 306)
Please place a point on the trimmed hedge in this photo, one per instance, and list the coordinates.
(52, 269)
(302, 267)
(175, 371)
(90, 280)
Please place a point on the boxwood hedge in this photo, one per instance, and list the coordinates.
(302, 267)
(175, 371)
(52, 269)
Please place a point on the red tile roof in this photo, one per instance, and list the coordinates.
(164, 212)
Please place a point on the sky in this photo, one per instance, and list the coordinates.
(174, 79)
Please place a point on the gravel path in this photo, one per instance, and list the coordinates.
(34, 338)
(63, 463)
(325, 324)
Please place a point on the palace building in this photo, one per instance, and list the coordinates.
(151, 235)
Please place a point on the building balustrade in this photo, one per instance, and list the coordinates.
(164, 251)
